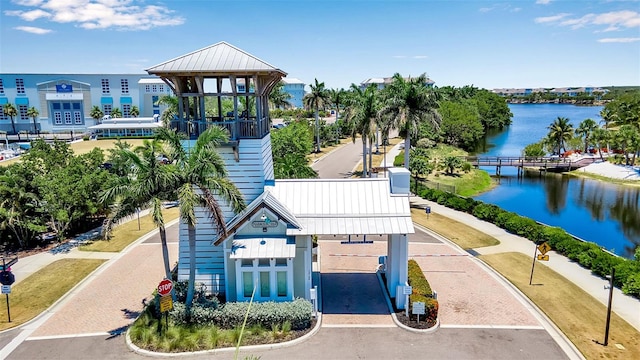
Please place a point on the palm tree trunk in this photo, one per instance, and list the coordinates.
(370, 155)
(13, 125)
(191, 286)
(407, 146)
(364, 156)
(317, 132)
(165, 251)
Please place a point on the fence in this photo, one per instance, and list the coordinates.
(424, 183)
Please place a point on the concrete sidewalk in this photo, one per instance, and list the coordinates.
(625, 306)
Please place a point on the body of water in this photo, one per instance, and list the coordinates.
(596, 211)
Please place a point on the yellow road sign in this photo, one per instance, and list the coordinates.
(543, 257)
(166, 303)
(544, 248)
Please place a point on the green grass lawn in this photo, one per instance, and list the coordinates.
(40, 290)
(464, 236)
(128, 232)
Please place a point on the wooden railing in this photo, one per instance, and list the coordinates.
(240, 129)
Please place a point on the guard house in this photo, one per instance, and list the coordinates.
(269, 245)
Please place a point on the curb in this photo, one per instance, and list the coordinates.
(550, 327)
(395, 318)
(293, 342)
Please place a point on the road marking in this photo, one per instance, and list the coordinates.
(53, 337)
(509, 327)
(357, 326)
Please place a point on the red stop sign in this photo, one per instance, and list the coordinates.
(165, 286)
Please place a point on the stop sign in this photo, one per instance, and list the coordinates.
(165, 286)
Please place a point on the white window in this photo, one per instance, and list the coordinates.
(106, 109)
(22, 110)
(57, 116)
(126, 110)
(77, 117)
(272, 278)
(67, 117)
(1, 87)
(154, 88)
(20, 86)
(124, 86)
(147, 88)
(2, 115)
(105, 86)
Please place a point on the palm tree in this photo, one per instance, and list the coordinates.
(560, 131)
(316, 99)
(96, 114)
(116, 113)
(33, 113)
(172, 108)
(10, 111)
(278, 98)
(148, 184)
(585, 129)
(135, 111)
(410, 103)
(362, 113)
(600, 137)
(203, 183)
(337, 98)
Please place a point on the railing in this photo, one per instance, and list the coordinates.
(545, 162)
(240, 129)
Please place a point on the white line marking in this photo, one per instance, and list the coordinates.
(509, 327)
(357, 326)
(51, 337)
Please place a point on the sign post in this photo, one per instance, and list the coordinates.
(544, 248)
(166, 301)
(418, 309)
(407, 290)
(6, 279)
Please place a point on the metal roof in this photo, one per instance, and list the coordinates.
(344, 206)
(217, 58)
(260, 248)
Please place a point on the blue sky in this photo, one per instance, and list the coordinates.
(489, 44)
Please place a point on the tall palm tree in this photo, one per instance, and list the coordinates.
(278, 98)
(11, 111)
(135, 111)
(560, 131)
(148, 184)
(409, 103)
(585, 129)
(203, 183)
(337, 98)
(316, 99)
(362, 113)
(172, 108)
(96, 113)
(600, 137)
(33, 113)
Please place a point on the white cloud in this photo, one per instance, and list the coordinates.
(549, 19)
(543, 2)
(613, 20)
(33, 30)
(618, 40)
(420, 57)
(99, 14)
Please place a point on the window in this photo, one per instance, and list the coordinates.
(154, 88)
(77, 117)
(161, 88)
(105, 86)
(281, 279)
(20, 86)
(67, 117)
(22, 110)
(57, 117)
(124, 86)
(281, 262)
(247, 262)
(265, 286)
(2, 115)
(247, 279)
(1, 87)
(126, 110)
(106, 109)
(263, 262)
(147, 88)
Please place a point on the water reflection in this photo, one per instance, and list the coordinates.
(603, 213)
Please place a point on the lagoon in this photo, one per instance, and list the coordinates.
(604, 213)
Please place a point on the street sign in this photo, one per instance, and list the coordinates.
(166, 303)
(543, 257)
(7, 278)
(164, 288)
(418, 308)
(6, 289)
(7, 264)
(544, 248)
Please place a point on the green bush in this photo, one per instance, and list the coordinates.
(298, 313)
(421, 292)
(487, 212)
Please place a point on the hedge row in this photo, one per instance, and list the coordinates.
(298, 313)
(421, 291)
(588, 255)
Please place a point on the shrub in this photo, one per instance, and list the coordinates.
(298, 313)
(421, 292)
(487, 212)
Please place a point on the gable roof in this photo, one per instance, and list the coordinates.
(217, 58)
(266, 199)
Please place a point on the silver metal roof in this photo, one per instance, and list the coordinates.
(260, 248)
(344, 206)
(217, 58)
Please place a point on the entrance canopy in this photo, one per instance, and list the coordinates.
(344, 206)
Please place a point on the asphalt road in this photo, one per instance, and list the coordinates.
(341, 162)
